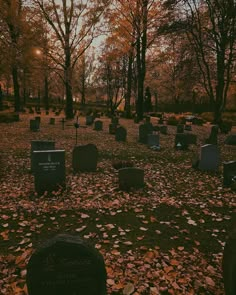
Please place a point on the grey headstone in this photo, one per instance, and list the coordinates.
(153, 140)
(66, 265)
(229, 172)
(131, 177)
(231, 139)
(49, 170)
(121, 134)
(98, 125)
(85, 158)
(40, 145)
(34, 125)
(163, 129)
(209, 157)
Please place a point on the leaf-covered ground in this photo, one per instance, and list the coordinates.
(166, 238)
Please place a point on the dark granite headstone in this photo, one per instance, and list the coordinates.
(231, 139)
(52, 121)
(131, 177)
(229, 172)
(144, 130)
(49, 170)
(98, 125)
(229, 260)
(66, 265)
(38, 118)
(89, 120)
(40, 145)
(181, 141)
(34, 125)
(85, 158)
(121, 134)
(180, 128)
(163, 129)
(209, 158)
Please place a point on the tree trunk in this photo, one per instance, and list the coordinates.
(16, 88)
(68, 86)
(46, 96)
(129, 86)
(1, 98)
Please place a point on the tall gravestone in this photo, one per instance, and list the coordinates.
(85, 158)
(66, 265)
(49, 170)
(40, 145)
(121, 134)
(209, 157)
(229, 173)
(131, 177)
(213, 138)
(144, 130)
(34, 125)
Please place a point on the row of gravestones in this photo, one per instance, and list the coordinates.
(68, 265)
(48, 166)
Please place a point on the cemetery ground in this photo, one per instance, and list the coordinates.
(164, 238)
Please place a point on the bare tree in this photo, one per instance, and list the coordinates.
(74, 24)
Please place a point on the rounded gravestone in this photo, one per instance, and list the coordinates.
(66, 265)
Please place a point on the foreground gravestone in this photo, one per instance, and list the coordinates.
(98, 125)
(66, 265)
(34, 125)
(229, 173)
(131, 177)
(40, 145)
(121, 134)
(209, 158)
(231, 139)
(49, 170)
(153, 140)
(85, 158)
(229, 260)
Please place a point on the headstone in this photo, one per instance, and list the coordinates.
(115, 120)
(40, 145)
(163, 129)
(153, 140)
(85, 158)
(229, 173)
(209, 157)
(231, 139)
(181, 141)
(52, 121)
(229, 260)
(66, 265)
(121, 134)
(144, 130)
(34, 125)
(98, 125)
(180, 128)
(112, 128)
(49, 170)
(89, 120)
(130, 177)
